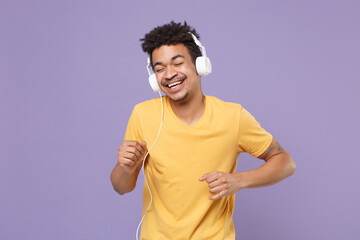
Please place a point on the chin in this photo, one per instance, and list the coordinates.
(179, 99)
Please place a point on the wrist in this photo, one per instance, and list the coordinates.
(242, 180)
(127, 171)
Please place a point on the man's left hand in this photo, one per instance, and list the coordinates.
(221, 184)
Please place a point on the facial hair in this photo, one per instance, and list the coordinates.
(181, 99)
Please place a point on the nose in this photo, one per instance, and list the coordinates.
(170, 73)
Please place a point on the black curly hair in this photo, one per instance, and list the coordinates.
(171, 34)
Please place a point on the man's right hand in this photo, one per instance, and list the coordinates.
(130, 155)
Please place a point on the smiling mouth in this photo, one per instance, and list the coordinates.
(176, 83)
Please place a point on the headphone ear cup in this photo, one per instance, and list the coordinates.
(153, 83)
(203, 66)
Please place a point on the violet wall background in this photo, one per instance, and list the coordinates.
(71, 72)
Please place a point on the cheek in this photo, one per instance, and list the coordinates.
(189, 70)
(158, 77)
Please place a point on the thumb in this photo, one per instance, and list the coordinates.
(143, 143)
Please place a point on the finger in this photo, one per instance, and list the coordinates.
(215, 183)
(216, 189)
(217, 196)
(141, 147)
(143, 144)
(203, 178)
(206, 176)
(129, 162)
(212, 177)
(135, 151)
(131, 150)
(129, 143)
(126, 162)
(129, 156)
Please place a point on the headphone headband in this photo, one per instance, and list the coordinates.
(196, 40)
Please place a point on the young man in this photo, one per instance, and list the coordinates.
(191, 169)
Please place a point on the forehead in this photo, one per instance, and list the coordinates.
(166, 52)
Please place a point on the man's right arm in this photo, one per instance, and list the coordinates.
(129, 162)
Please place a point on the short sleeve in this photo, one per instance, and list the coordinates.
(133, 129)
(252, 138)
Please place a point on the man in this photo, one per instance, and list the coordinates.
(198, 147)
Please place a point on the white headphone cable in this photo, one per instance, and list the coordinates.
(143, 165)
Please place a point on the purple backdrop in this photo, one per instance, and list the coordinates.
(71, 72)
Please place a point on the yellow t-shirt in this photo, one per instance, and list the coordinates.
(181, 208)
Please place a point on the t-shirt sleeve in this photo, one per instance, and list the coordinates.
(133, 130)
(252, 138)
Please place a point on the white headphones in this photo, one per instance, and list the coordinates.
(203, 66)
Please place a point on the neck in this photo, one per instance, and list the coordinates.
(191, 110)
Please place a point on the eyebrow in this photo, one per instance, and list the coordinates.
(172, 59)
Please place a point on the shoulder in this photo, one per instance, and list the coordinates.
(147, 110)
(148, 106)
(223, 106)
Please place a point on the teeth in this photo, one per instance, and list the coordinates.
(173, 84)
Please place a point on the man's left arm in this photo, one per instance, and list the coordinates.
(278, 166)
